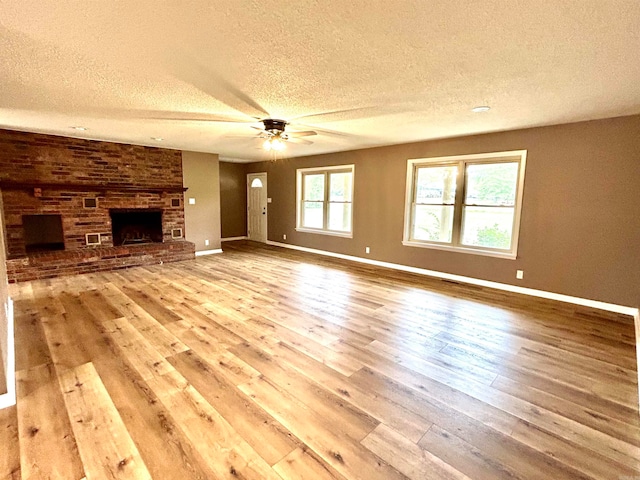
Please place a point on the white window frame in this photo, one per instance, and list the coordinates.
(300, 198)
(462, 161)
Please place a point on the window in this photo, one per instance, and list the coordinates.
(325, 198)
(468, 203)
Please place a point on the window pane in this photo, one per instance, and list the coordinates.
(436, 185)
(492, 184)
(433, 223)
(487, 226)
(313, 214)
(340, 187)
(340, 217)
(314, 187)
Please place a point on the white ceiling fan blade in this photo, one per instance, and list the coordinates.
(186, 67)
(338, 115)
(165, 115)
(326, 131)
(299, 140)
(305, 133)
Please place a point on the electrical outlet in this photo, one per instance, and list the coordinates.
(519, 274)
(284, 236)
(192, 201)
(367, 250)
(206, 243)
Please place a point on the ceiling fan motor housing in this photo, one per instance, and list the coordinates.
(274, 126)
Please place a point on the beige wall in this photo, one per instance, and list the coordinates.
(580, 228)
(4, 298)
(202, 220)
(233, 199)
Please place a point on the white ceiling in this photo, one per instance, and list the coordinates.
(360, 73)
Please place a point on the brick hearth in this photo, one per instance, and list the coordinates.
(44, 174)
(56, 264)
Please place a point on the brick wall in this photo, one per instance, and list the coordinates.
(30, 156)
(67, 170)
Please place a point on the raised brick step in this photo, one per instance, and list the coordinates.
(72, 262)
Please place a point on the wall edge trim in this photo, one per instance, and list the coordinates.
(208, 252)
(232, 239)
(9, 399)
(636, 319)
(611, 307)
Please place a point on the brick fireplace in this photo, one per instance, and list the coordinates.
(74, 206)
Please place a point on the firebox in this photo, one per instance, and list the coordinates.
(135, 226)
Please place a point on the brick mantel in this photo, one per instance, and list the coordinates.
(98, 187)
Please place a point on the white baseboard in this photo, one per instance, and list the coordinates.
(208, 252)
(9, 399)
(631, 311)
(231, 239)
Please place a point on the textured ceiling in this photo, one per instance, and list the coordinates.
(360, 73)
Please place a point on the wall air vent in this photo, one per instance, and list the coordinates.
(92, 239)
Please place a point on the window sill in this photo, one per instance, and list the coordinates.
(473, 251)
(325, 232)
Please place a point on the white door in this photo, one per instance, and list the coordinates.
(257, 207)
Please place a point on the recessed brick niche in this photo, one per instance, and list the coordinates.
(84, 182)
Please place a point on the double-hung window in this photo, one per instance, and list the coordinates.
(325, 200)
(468, 203)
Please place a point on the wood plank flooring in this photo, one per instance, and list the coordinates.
(262, 363)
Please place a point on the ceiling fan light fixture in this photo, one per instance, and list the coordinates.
(277, 144)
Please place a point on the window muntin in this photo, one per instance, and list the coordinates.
(325, 199)
(468, 203)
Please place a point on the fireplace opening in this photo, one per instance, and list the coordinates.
(135, 226)
(42, 233)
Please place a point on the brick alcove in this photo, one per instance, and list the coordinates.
(82, 181)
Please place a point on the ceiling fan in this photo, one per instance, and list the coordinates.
(247, 109)
(276, 137)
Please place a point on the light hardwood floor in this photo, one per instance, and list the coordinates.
(264, 363)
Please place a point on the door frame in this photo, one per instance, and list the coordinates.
(263, 177)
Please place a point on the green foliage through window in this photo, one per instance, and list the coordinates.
(494, 237)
